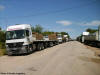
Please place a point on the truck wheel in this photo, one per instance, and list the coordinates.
(30, 49)
(57, 43)
(54, 43)
(39, 47)
(51, 44)
(42, 46)
(34, 47)
(46, 45)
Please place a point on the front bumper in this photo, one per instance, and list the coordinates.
(60, 41)
(19, 50)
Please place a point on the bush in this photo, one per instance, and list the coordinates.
(3, 52)
(2, 48)
(2, 45)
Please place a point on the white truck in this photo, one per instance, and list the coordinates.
(59, 37)
(65, 38)
(19, 40)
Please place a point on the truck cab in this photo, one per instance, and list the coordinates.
(18, 38)
(59, 37)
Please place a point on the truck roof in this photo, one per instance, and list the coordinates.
(18, 27)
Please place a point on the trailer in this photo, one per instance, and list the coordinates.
(20, 39)
(92, 39)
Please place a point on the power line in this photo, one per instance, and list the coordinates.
(51, 12)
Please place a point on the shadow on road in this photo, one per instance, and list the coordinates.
(87, 59)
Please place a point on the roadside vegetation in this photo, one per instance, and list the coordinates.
(2, 42)
(91, 30)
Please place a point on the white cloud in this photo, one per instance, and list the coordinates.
(2, 7)
(64, 22)
(92, 23)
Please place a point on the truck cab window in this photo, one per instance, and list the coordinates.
(27, 32)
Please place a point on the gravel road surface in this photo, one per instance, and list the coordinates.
(70, 58)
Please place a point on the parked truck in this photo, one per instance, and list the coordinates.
(65, 38)
(20, 39)
(51, 37)
(92, 38)
(59, 38)
(62, 38)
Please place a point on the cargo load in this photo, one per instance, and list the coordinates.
(37, 36)
(52, 37)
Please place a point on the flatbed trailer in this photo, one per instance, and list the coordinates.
(92, 38)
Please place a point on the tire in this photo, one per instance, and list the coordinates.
(39, 47)
(46, 45)
(57, 43)
(51, 44)
(42, 46)
(34, 47)
(29, 50)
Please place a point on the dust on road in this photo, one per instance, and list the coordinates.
(71, 58)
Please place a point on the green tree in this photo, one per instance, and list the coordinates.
(2, 38)
(38, 28)
(47, 33)
(33, 29)
(0, 28)
(91, 30)
(65, 33)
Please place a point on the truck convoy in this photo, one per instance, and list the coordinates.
(91, 38)
(20, 39)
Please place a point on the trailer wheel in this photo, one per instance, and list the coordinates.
(39, 47)
(51, 44)
(42, 46)
(46, 45)
(34, 47)
(57, 43)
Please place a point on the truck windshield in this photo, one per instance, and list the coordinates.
(16, 34)
(59, 36)
(46, 36)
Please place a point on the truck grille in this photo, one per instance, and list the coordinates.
(15, 45)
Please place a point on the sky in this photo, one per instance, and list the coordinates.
(72, 16)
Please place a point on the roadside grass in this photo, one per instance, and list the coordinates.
(2, 49)
(2, 52)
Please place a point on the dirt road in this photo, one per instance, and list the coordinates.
(71, 58)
